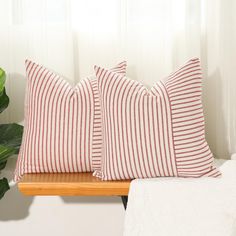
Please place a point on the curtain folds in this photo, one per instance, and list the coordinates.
(154, 36)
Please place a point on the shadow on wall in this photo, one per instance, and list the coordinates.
(17, 95)
(92, 200)
(214, 115)
(14, 206)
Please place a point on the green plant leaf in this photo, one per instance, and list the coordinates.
(11, 135)
(3, 165)
(2, 79)
(4, 100)
(4, 187)
(10, 140)
(6, 152)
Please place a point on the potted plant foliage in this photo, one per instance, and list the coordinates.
(10, 135)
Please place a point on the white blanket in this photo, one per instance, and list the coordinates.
(183, 207)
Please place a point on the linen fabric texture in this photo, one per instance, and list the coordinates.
(62, 131)
(154, 133)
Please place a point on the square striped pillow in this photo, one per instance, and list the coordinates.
(157, 132)
(62, 131)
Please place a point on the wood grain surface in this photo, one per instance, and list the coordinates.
(75, 184)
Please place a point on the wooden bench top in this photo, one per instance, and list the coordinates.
(75, 184)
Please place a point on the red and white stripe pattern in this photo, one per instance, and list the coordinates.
(60, 123)
(154, 133)
(97, 124)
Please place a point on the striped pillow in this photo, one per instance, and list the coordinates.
(157, 132)
(62, 130)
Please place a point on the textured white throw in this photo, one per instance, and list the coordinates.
(183, 207)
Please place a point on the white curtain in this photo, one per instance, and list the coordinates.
(154, 36)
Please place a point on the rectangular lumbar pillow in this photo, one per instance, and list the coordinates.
(157, 132)
(62, 131)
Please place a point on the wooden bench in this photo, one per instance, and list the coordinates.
(76, 184)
